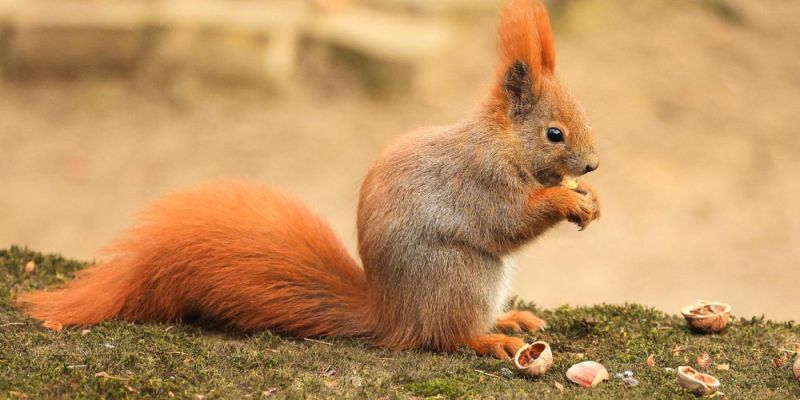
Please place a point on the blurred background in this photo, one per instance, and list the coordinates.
(106, 105)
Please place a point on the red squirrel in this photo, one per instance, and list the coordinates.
(438, 214)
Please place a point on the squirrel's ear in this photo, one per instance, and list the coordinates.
(527, 56)
(518, 87)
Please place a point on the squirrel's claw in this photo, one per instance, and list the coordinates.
(518, 321)
(500, 346)
(587, 207)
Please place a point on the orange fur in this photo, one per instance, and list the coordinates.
(246, 256)
(518, 321)
(525, 35)
(500, 346)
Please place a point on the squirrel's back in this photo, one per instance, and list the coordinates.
(242, 255)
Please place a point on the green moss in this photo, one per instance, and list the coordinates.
(449, 387)
(189, 362)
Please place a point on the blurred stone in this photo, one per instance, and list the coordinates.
(72, 52)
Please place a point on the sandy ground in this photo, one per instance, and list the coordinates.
(695, 113)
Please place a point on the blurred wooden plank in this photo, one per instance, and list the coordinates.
(280, 21)
(392, 36)
(280, 55)
(81, 15)
(385, 35)
(439, 6)
(247, 16)
(388, 36)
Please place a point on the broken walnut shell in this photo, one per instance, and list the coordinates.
(534, 359)
(588, 374)
(697, 382)
(707, 316)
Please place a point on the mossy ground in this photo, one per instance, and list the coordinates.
(182, 361)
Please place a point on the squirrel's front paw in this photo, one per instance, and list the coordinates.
(586, 207)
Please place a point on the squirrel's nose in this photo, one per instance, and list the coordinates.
(592, 162)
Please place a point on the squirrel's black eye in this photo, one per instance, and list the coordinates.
(555, 135)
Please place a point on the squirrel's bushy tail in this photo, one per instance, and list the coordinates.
(245, 256)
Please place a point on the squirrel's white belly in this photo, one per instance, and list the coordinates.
(504, 286)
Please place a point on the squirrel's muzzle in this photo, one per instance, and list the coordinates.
(592, 161)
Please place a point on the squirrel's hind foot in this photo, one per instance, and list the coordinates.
(519, 321)
(499, 346)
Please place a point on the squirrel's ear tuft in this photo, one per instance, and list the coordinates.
(525, 34)
(545, 31)
(527, 55)
(518, 88)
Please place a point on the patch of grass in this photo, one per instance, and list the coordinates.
(189, 362)
(451, 387)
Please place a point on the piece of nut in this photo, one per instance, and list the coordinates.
(588, 374)
(569, 183)
(534, 359)
(707, 316)
(697, 382)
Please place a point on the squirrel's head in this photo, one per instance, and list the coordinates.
(547, 128)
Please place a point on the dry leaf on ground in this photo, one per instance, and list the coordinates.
(651, 361)
(704, 360)
(779, 362)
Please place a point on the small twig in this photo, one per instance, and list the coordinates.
(487, 373)
(176, 352)
(76, 366)
(664, 328)
(104, 374)
(12, 324)
(790, 351)
(318, 341)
